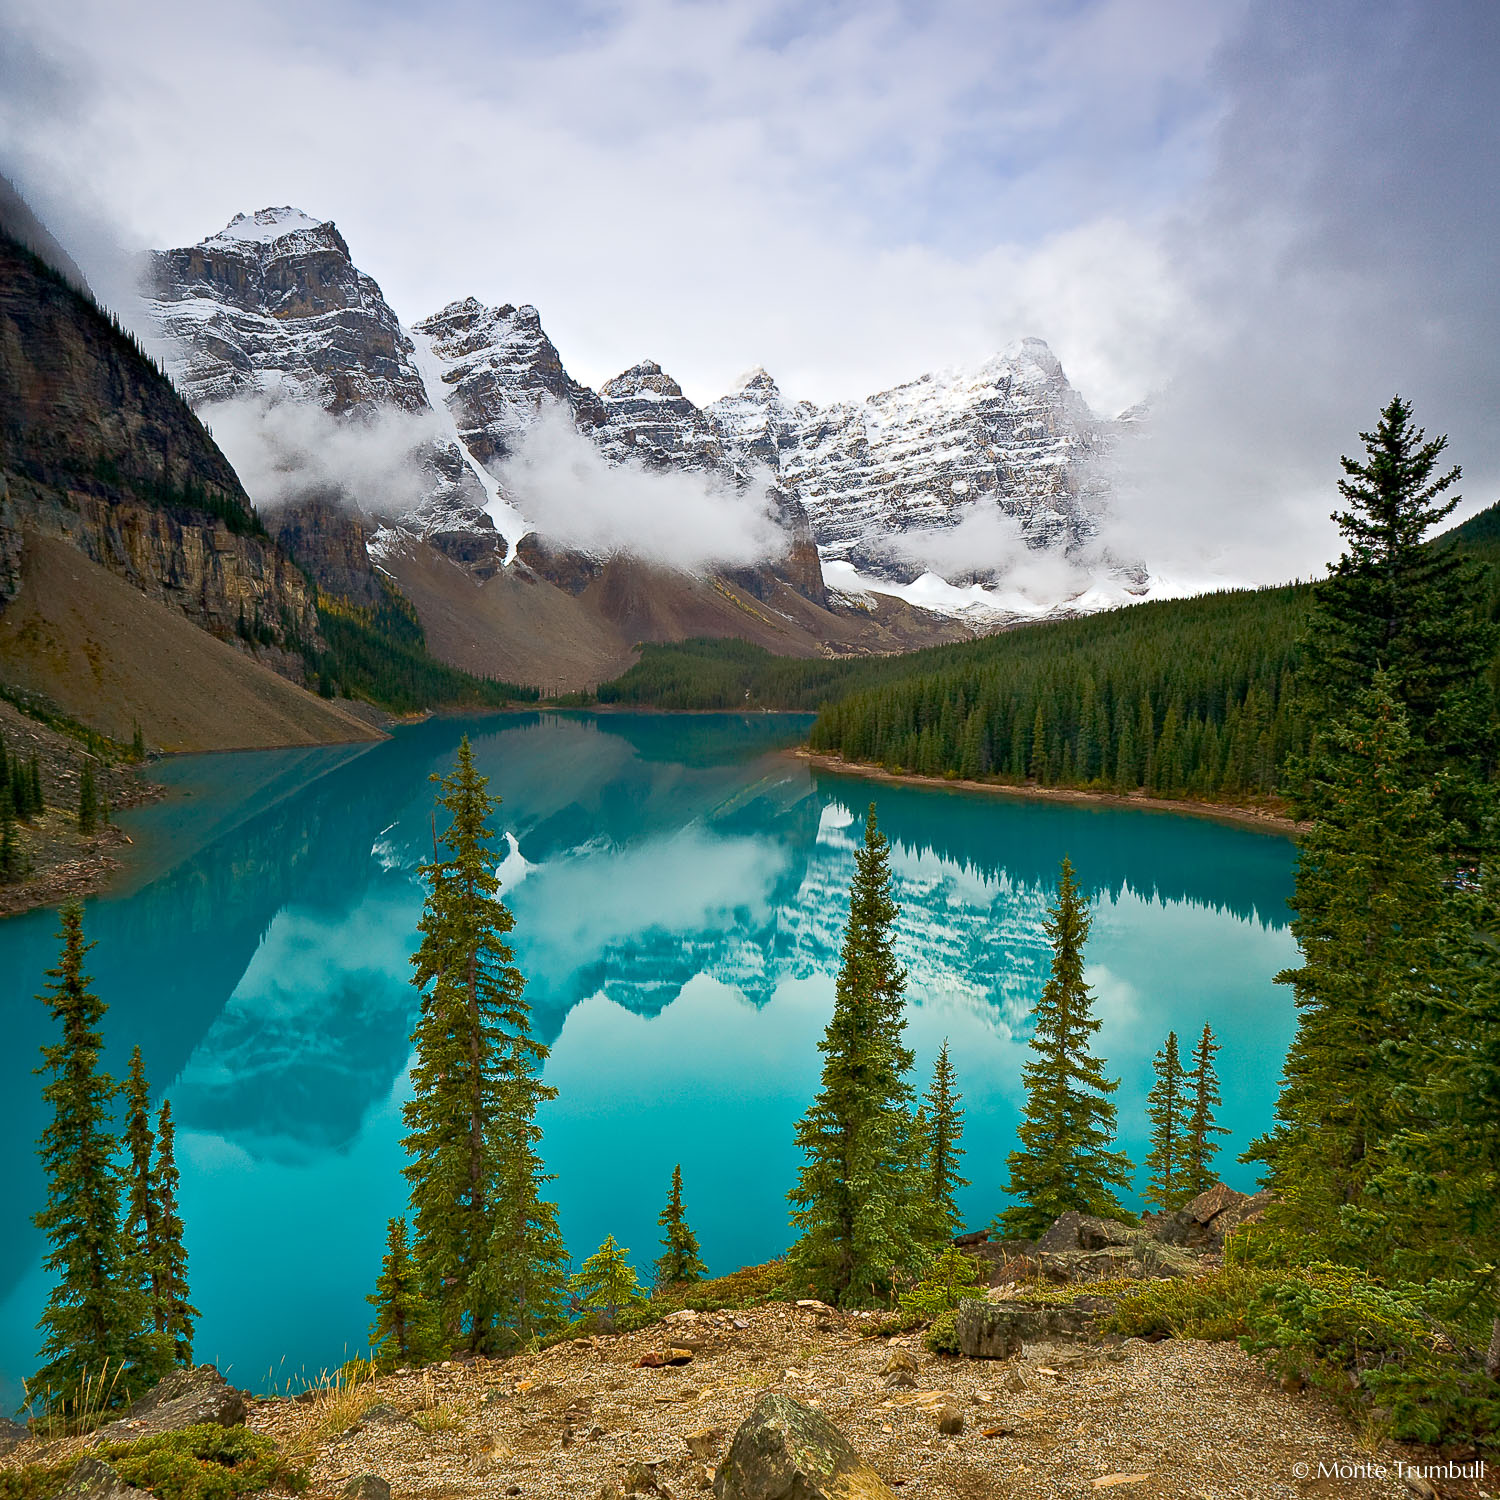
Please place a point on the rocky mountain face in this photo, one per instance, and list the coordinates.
(98, 450)
(272, 307)
(1012, 436)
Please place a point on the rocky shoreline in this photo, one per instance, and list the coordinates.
(1265, 819)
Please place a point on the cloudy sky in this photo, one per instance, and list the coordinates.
(1265, 216)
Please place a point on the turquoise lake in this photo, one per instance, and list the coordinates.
(679, 886)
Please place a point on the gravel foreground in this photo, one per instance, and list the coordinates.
(1179, 1418)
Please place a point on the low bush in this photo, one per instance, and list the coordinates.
(206, 1462)
(1411, 1356)
(942, 1334)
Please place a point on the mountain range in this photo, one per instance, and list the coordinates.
(851, 528)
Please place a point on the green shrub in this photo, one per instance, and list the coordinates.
(942, 1336)
(206, 1462)
(1411, 1355)
(1347, 1334)
(948, 1280)
(1205, 1307)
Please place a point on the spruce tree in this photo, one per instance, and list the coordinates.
(404, 1332)
(944, 1129)
(1397, 603)
(606, 1284)
(857, 1204)
(1373, 916)
(10, 847)
(88, 800)
(140, 1210)
(679, 1260)
(486, 1243)
(1170, 1182)
(137, 744)
(174, 1313)
(1064, 1161)
(95, 1317)
(1203, 1097)
(38, 802)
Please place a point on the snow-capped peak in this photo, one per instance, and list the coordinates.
(268, 224)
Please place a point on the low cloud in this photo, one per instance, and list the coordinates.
(987, 546)
(383, 463)
(576, 498)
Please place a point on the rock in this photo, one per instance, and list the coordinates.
(998, 1330)
(12, 1435)
(974, 1237)
(950, 1421)
(1214, 1201)
(1076, 1231)
(811, 1304)
(704, 1445)
(93, 1479)
(383, 1412)
(640, 1479)
(784, 1450)
(366, 1487)
(654, 1359)
(184, 1399)
(900, 1368)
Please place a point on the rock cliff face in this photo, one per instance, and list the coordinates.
(494, 369)
(1012, 435)
(272, 307)
(324, 530)
(97, 449)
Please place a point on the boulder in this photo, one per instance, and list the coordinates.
(93, 1479)
(366, 1487)
(12, 1435)
(784, 1450)
(1206, 1222)
(999, 1330)
(184, 1399)
(1076, 1231)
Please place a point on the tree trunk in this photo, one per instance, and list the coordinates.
(1492, 1359)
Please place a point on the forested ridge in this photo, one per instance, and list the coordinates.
(1193, 698)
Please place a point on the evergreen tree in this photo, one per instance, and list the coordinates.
(10, 848)
(88, 800)
(679, 1260)
(1372, 920)
(487, 1245)
(1064, 1161)
(607, 1284)
(1397, 604)
(95, 1314)
(1170, 1183)
(1203, 1094)
(37, 803)
(944, 1129)
(857, 1203)
(404, 1331)
(137, 743)
(174, 1313)
(140, 1210)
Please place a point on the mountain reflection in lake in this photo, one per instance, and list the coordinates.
(678, 886)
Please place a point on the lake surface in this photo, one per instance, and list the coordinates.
(679, 889)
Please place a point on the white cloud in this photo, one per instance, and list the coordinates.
(573, 496)
(283, 448)
(1270, 215)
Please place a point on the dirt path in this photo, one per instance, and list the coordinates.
(1174, 1419)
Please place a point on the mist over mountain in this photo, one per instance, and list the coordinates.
(986, 486)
